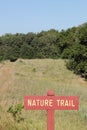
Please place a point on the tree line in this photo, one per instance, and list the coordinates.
(68, 44)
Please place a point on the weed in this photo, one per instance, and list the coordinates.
(34, 70)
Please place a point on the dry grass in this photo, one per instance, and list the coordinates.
(36, 77)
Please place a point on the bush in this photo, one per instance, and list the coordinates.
(78, 59)
(16, 112)
(66, 53)
(13, 58)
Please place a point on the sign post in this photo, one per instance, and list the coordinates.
(51, 103)
(50, 114)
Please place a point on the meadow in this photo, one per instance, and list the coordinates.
(36, 77)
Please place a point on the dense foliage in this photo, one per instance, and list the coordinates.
(70, 44)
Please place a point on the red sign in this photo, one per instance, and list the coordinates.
(51, 103)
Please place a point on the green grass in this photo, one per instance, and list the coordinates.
(36, 77)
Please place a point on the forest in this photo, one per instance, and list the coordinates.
(70, 44)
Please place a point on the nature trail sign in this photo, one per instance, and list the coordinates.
(51, 103)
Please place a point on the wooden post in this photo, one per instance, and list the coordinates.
(50, 120)
(50, 114)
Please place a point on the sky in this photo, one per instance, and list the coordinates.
(23, 16)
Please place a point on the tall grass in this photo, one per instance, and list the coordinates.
(36, 77)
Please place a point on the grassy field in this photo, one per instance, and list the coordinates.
(36, 77)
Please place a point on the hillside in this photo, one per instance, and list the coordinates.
(68, 44)
(36, 77)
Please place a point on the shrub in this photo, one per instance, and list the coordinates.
(16, 112)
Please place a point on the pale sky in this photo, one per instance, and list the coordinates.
(23, 16)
